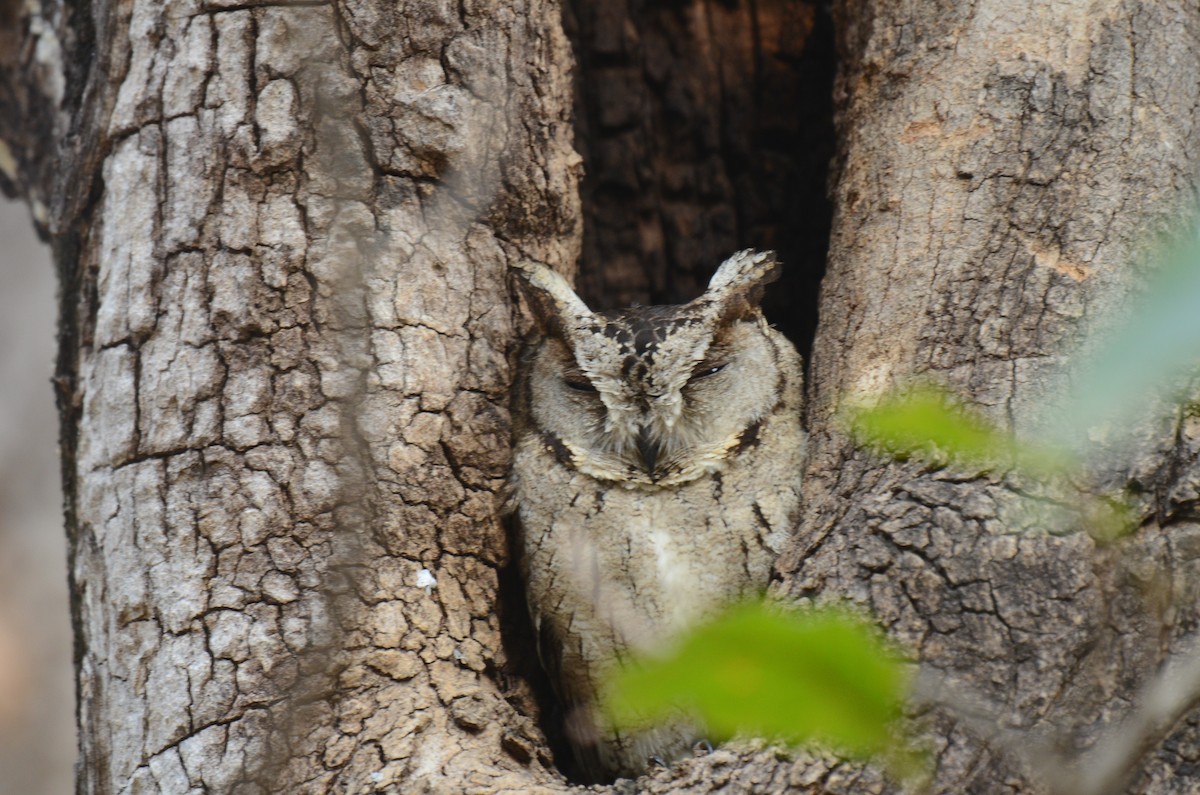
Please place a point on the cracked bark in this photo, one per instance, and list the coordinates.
(1001, 168)
(282, 232)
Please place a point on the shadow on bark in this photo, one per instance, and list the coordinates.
(705, 127)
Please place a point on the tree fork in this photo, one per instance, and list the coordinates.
(283, 231)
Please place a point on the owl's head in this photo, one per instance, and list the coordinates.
(659, 395)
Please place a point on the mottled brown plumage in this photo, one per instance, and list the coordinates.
(656, 473)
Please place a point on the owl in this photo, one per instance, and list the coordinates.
(656, 473)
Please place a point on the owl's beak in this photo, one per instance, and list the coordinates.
(648, 449)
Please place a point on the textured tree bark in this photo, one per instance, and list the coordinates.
(1002, 167)
(282, 233)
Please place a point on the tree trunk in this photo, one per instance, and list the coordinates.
(1001, 169)
(282, 235)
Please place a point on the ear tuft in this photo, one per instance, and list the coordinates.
(554, 304)
(738, 285)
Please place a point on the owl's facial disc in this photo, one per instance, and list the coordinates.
(656, 353)
(659, 394)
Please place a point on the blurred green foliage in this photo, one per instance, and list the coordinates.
(926, 422)
(824, 676)
(796, 676)
(1152, 354)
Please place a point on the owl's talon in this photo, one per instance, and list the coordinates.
(702, 746)
(657, 761)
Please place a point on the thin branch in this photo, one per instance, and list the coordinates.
(983, 718)
(1112, 762)
(1162, 704)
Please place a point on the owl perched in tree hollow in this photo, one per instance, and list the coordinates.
(656, 473)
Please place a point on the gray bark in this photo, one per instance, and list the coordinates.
(282, 234)
(1002, 169)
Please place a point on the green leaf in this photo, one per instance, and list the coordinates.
(925, 422)
(798, 677)
(1108, 519)
(1151, 355)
